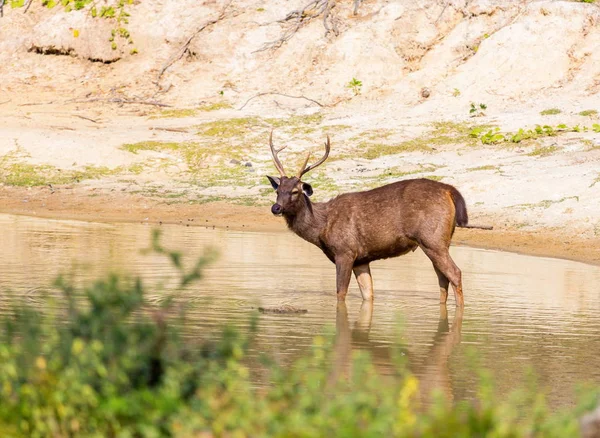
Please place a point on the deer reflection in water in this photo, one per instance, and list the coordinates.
(433, 371)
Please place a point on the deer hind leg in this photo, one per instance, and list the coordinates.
(343, 269)
(444, 283)
(443, 263)
(364, 280)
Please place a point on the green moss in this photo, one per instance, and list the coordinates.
(546, 203)
(136, 168)
(486, 167)
(589, 113)
(214, 106)
(22, 174)
(174, 113)
(443, 133)
(543, 151)
(156, 146)
(228, 128)
(550, 112)
(434, 177)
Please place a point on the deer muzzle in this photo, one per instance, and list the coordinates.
(276, 209)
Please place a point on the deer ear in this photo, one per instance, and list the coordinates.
(307, 189)
(274, 181)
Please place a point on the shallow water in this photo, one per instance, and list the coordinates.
(520, 312)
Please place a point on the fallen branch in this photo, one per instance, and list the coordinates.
(121, 101)
(27, 6)
(36, 103)
(279, 94)
(179, 54)
(477, 227)
(85, 118)
(182, 130)
(6, 101)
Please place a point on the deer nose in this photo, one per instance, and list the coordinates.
(276, 209)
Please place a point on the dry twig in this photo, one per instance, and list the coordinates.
(85, 118)
(27, 6)
(279, 94)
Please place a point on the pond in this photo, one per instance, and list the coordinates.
(521, 312)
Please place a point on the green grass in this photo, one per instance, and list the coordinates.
(550, 112)
(589, 113)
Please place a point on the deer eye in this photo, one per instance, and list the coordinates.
(295, 192)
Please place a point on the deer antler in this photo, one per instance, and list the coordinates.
(274, 152)
(301, 170)
(318, 163)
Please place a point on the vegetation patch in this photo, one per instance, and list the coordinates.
(543, 151)
(495, 136)
(14, 171)
(545, 204)
(443, 133)
(190, 112)
(550, 112)
(482, 168)
(589, 113)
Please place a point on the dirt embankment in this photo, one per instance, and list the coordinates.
(499, 98)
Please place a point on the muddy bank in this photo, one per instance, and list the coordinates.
(95, 205)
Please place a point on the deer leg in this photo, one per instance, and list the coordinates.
(343, 269)
(444, 283)
(364, 280)
(443, 262)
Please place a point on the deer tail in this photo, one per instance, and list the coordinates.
(461, 217)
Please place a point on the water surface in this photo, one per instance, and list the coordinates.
(520, 312)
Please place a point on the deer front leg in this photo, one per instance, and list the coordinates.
(343, 269)
(364, 280)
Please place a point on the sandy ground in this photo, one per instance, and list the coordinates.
(76, 203)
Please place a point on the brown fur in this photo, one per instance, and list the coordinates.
(355, 229)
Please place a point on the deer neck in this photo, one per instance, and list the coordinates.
(308, 221)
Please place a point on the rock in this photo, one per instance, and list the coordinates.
(248, 164)
(425, 92)
(234, 161)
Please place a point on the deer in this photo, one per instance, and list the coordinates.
(355, 229)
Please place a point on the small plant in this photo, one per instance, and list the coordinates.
(589, 113)
(456, 92)
(493, 136)
(477, 110)
(550, 112)
(355, 85)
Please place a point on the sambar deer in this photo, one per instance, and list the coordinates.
(354, 229)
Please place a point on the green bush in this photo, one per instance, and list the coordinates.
(108, 364)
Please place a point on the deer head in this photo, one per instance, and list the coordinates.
(291, 190)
